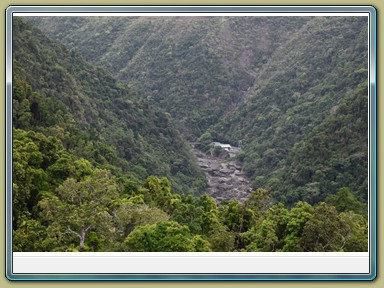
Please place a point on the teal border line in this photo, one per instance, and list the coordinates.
(8, 147)
(198, 277)
(374, 205)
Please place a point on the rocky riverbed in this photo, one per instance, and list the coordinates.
(225, 177)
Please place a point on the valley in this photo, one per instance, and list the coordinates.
(105, 111)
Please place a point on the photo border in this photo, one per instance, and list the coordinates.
(198, 9)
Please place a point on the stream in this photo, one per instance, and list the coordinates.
(226, 179)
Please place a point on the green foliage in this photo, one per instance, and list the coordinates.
(305, 119)
(128, 214)
(222, 240)
(29, 237)
(200, 215)
(57, 93)
(354, 232)
(238, 217)
(269, 235)
(205, 141)
(188, 212)
(81, 207)
(344, 201)
(268, 81)
(322, 232)
(98, 167)
(216, 59)
(298, 216)
(165, 237)
(332, 156)
(32, 154)
(306, 228)
(157, 192)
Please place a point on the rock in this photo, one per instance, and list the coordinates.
(225, 179)
(225, 171)
(203, 165)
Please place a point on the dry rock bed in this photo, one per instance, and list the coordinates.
(226, 179)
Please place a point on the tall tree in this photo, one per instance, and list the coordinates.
(166, 236)
(322, 232)
(78, 208)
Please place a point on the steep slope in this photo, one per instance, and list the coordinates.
(99, 119)
(305, 81)
(197, 68)
(82, 143)
(264, 82)
(333, 155)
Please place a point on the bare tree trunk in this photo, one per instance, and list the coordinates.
(82, 238)
(81, 235)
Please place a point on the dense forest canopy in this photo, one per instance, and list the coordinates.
(103, 108)
(107, 123)
(216, 59)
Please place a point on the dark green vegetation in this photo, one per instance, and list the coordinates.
(304, 128)
(196, 68)
(98, 165)
(59, 94)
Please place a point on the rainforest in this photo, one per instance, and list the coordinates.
(190, 134)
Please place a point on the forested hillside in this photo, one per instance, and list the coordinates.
(70, 117)
(216, 59)
(98, 165)
(57, 92)
(304, 90)
(264, 82)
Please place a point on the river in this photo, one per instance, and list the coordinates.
(226, 179)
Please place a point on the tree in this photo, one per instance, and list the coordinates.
(345, 201)
(218, 151)
(205, 141)
(222, 240)
(157, 193)
(237, 217)
(30, 236)
(259, 202)
(322, 232)
(29, 178)
(81, 207)
(21, 113)
(209, 216)
(354, 232)
(297, 218)
(188, 212)
(166, 236)
(269, 235)
(130, 213)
